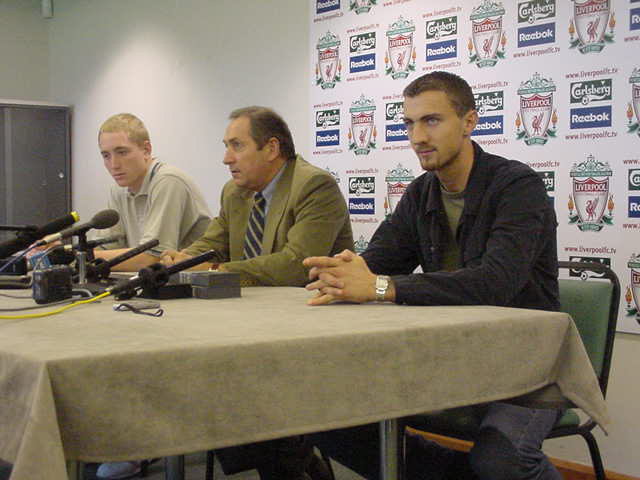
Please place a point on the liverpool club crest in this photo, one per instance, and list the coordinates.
(633, 291)
(400, 58)
(536, 111)
(360, 245)
(362, 6)
(588, 28)
(362, 134)
(634, 105)
(590, 195)
(397, 180)
(488, 40)
(329, 66)
(334, 174)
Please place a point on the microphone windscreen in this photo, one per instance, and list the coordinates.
(58, 224)
(105, 219)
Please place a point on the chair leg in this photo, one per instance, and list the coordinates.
(328, 462)
(144, 466)
(208, 475)
(596, 458)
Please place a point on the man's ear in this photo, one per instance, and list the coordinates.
(470, 120)
(273, 148)
(146, 147)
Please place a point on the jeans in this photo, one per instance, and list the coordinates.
(507, 447)
(509, 444)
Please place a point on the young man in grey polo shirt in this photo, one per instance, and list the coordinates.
(154, 200)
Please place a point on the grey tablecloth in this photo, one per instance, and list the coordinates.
(92, 384)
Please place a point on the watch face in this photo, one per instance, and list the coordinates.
(382, 283)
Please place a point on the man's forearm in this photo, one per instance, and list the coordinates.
(131, 265)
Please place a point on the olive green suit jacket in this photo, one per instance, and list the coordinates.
(307, 216)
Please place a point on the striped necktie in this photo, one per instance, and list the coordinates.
(255, 228)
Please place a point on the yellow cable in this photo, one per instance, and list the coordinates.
(58, 310)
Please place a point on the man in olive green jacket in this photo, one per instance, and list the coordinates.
(306, 214)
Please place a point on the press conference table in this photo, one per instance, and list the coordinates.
(93, 384)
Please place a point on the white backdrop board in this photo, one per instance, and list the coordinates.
(557, 85)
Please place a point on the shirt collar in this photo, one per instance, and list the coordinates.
(269, 190)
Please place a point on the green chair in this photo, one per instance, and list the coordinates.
(593, 304)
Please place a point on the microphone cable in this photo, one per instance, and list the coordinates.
(18, 257)
(43, 255)
(57, 310)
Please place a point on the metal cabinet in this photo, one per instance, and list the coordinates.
(35, 163)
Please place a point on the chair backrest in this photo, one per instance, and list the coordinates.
(593, 304)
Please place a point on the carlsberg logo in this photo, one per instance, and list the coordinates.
(489, 100)
(536, 9)
(549, 180)
(394, 111)
(362, 185)
(442, 27)
(327, 118)
(362, 42)
(582, 92)
(634, 179)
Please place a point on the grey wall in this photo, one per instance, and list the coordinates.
(182, 66)
(24, 51)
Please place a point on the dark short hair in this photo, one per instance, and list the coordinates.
(456, 88)
(266, 124)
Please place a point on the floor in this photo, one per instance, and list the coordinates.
(195, 469)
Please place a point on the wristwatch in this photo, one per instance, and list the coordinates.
(382, 285)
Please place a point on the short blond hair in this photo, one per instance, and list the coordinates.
(127, 123)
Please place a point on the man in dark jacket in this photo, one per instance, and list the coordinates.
(483, 231)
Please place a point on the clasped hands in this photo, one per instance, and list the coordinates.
(343, 277)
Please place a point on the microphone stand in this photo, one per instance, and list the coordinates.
(84, 256)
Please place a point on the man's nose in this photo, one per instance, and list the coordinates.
(419, 134)
(228, 157)
(115, 162)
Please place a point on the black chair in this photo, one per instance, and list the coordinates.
(593, 304)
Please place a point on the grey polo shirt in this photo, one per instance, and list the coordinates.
(169, 207)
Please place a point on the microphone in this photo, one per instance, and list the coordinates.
(26, 238)
(64, 254)
(157, 274)
(103, 219)
(191, 262)
(101, 268)
(91, 243)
